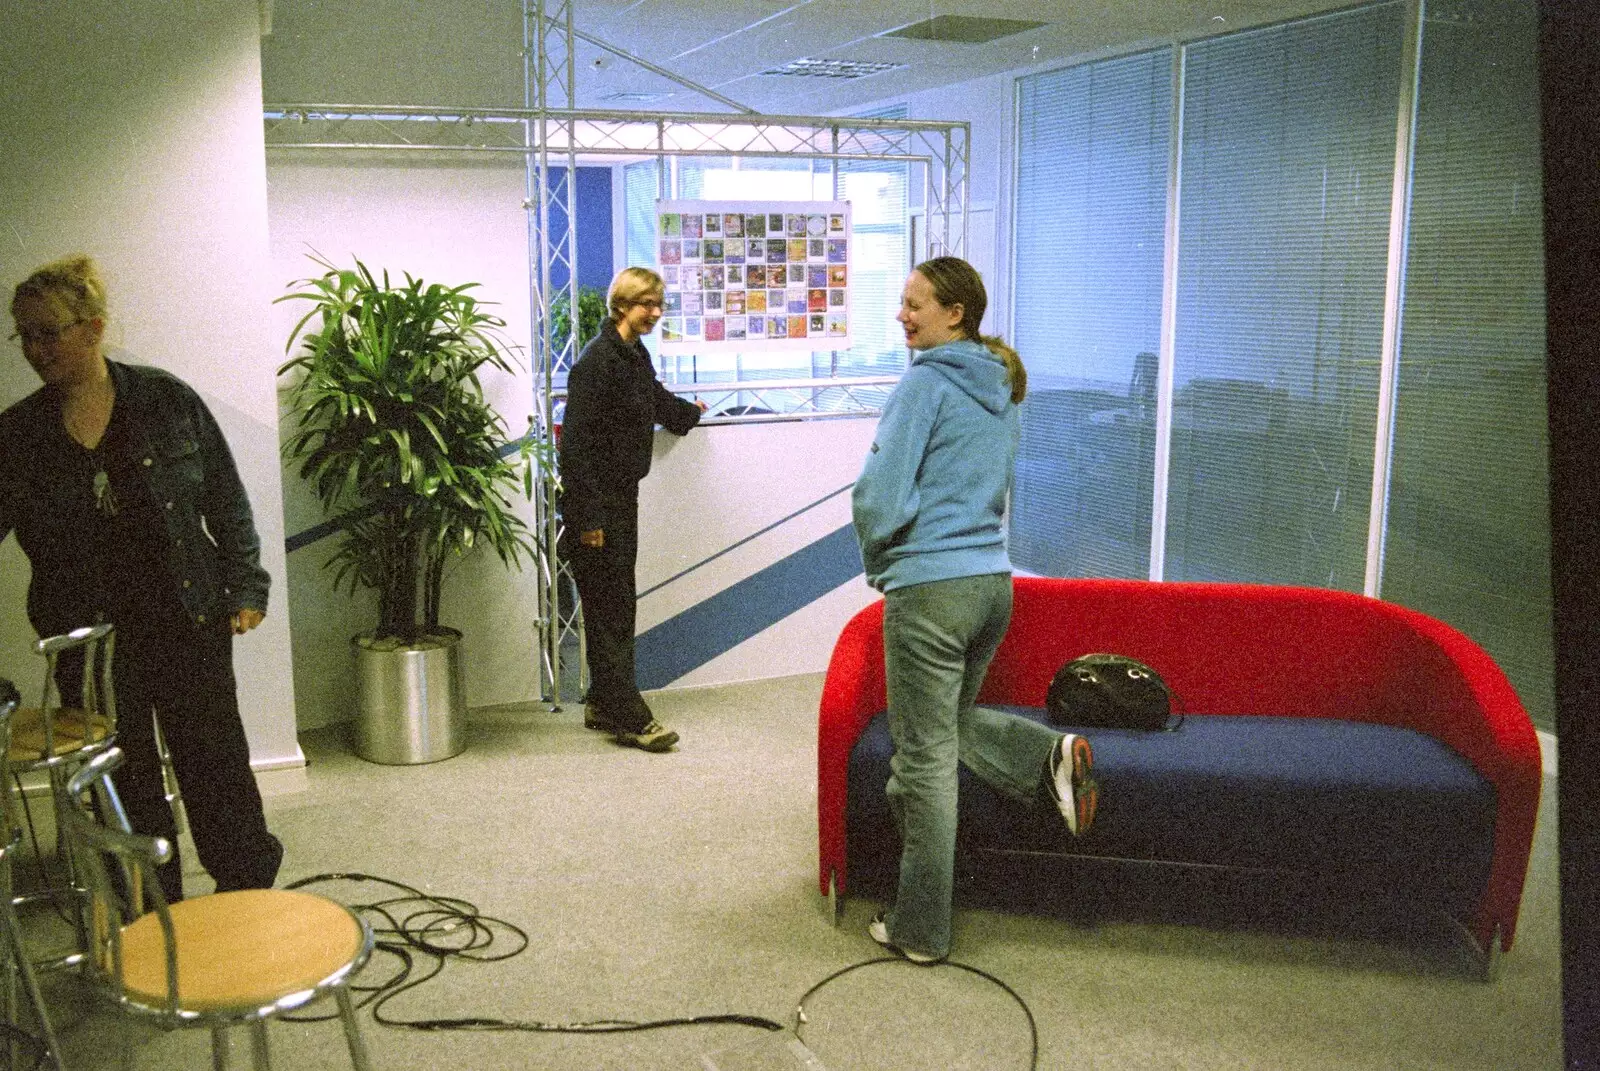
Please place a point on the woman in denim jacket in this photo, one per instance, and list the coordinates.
(125, 499)
(929, 510)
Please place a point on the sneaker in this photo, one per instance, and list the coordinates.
(653, 737)
(878, 930)
(1076, 793)
(595, 718)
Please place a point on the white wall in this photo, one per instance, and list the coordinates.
(133, 132)
(448, 222)
(722, 484)
(988, 104)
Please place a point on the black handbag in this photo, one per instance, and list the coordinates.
(1110, 691)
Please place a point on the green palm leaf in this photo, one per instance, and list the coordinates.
(392, 428)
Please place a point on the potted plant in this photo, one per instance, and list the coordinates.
(592, 314)
(393, 432)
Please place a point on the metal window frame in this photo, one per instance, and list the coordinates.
(549, 130)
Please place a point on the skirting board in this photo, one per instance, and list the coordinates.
(282, 777)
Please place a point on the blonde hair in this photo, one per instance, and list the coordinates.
(629, 286)
(73, 282)
(955, 282)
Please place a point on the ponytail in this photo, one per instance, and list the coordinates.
(1016, 373)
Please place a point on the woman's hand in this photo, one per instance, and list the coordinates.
(245, 620)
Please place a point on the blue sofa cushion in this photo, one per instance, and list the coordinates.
(1389, 809)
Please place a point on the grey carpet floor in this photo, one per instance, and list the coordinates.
(662, 886)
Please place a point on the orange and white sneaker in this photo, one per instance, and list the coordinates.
(1075, 791)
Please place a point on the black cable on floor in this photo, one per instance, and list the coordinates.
(800, 1019)
(428, 925)
(440, 928)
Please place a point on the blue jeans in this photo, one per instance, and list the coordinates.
(938, 640)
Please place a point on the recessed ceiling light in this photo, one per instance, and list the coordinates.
(963, 29)
(833, 68)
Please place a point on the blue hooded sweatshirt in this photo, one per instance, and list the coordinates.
(930, 502)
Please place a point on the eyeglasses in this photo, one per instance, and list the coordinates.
(653, 303)
(45, 336)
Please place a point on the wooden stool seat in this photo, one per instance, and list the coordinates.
(71, 729)
(241, 951)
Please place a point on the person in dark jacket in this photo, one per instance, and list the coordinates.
(614, 402)
(125, 499)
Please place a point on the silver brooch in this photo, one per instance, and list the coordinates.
(104, 500)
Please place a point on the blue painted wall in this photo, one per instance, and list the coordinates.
(594, 227)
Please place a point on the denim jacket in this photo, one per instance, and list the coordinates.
(212, 551)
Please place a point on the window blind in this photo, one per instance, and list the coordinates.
(1288, 158)
(639, 185)
(1090, 219)
(1468, 528)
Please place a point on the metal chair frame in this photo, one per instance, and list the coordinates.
(112, 914)
(20, 968)
(66, 746)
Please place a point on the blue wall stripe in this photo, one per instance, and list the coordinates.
(746, 539)
(715, 626)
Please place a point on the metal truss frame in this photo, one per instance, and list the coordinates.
(552, 134)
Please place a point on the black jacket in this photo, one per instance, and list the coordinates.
(614, 402)
(212, 550)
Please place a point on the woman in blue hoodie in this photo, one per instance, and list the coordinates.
(930, 509)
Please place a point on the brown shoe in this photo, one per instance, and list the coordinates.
(652, 737)
(595, 718)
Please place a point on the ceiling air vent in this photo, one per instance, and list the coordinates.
(833, 68)
(963, 29)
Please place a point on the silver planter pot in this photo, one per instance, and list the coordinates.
(411, 701)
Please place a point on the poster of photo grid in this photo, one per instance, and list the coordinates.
(754, 275)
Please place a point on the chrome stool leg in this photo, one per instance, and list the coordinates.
(359, 1058)
(19, 968)
(258, 1046)
(169, 782)
(221, 1042)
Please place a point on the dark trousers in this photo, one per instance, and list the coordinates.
(184, 676)
(609, 590)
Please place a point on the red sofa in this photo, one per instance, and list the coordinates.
(1305, 652)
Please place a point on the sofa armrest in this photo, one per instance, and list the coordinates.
(1470, 705)
(853, 691)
